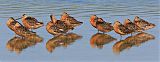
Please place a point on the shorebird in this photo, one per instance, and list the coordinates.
(23, 31)
(31, 22)
(120, 29)
(131, 26)
(18, 28)
(143, 24)
(11, 23)
(69, 20)
(93, 20)
(56, 27)
(100, 24)
(103, 26)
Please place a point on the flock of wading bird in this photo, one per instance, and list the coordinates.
(66, 23)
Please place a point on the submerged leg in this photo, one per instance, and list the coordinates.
(121, 37)
(131, 34)
(32, 30)
(103, 32)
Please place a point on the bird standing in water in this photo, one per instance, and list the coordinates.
(143, 24)
(69, 20)
(131, 26)
(11, 23)
(103, 26)
(121, 29)
(31, 22)
(100, 24)
(57, 27)
(93, 20)
(18, 28)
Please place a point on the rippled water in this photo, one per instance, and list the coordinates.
(80, 50)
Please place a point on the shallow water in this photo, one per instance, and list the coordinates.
(80, 50)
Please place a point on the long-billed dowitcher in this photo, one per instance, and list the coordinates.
(93, 20)
(100, 24)
(143, 24)
(120, 29)
(70, 20)
(18, 28)
(131, 26)
(103, 26)
(56, 27)
(22, 31)
(31, 22)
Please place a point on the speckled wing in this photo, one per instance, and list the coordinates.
(123, 29)
(105, 25)
(31, 20)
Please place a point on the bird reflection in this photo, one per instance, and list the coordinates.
(99, 39)
(130, 41)
(61, 40)
(17, 44)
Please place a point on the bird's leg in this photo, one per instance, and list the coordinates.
(98, 31)
(131, 34)
(31, 29)
(121, 37)
(103, 32)
(23, 37)
(15, 35)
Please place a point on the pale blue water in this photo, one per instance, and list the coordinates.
(81, 50)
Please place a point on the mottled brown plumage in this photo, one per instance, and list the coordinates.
(31, 22)
(69, 20)
(143, 24)
(120, 29)
(103, 26)
(11, 23)
(18, 28)
(131, 26)
(100, 24)
(93, 20)
(56, 27)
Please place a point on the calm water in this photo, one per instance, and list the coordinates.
(80, 49)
